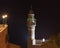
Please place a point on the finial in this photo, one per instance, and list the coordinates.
(31, 7)
(31, 11)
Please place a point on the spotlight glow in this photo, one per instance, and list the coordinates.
(43, 40)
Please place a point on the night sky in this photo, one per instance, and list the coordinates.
(46, 12)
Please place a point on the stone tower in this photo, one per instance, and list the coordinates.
(31, 24)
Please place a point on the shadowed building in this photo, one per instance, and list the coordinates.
(10, 45)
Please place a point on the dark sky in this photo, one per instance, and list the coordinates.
(46, 12)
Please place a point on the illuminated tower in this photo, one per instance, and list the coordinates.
(31, 23)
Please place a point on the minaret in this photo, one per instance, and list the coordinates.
(31, 23)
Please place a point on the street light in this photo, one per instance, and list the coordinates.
(43, 40)
(4, 17)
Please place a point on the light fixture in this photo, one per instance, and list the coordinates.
(43, 40)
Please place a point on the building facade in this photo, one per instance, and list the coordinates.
(4, 38)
